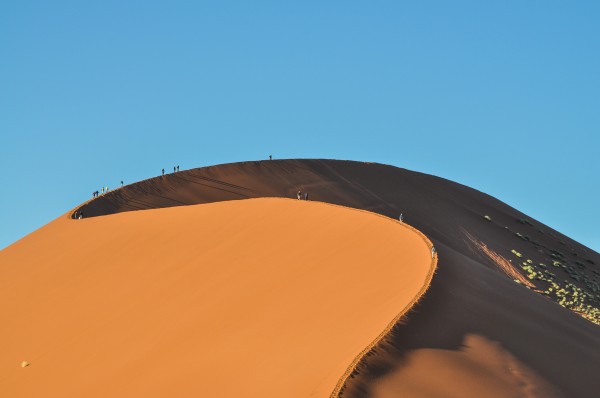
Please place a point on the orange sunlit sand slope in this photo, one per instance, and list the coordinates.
(261, 297)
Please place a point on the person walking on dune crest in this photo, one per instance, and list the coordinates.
(433, 251)
(299, 195)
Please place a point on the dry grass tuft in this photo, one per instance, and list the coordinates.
(502, 263)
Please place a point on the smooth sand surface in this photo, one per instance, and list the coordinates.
(262, 297)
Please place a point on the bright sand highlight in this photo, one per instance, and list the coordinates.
(253, 298)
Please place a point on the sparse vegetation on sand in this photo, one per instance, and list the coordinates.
(580, 294)
(565, 293)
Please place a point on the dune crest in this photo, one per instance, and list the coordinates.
(263, 297)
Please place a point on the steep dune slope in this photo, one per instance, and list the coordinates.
(265, 297)
(471, 297)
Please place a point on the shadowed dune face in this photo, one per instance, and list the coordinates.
(266, 297)
(468, 295)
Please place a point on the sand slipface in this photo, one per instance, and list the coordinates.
(263, 297)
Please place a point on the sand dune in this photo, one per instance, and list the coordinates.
(264, 297)
(472, 293)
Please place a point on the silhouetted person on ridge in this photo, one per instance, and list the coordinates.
(306, 196)
(121, 182)
(178, 169)
(80, 215)
(174, 169)
(401, 218)
(270, 157)
(299, 195)
(163, 171)
(432, 251)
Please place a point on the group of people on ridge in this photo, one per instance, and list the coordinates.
(301, 195)
(175, 170)
(102, 191)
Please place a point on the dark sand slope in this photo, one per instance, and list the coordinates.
(255, 298)
(470, 294)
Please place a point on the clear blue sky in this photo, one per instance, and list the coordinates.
(501, 96)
